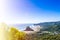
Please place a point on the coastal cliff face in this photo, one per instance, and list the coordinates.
(29, 30)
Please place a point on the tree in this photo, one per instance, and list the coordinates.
(16, 34)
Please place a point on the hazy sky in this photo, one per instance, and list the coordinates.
(29, 11)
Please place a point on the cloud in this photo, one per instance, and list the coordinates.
(37, 28)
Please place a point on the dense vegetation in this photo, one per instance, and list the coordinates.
(18, 35)
(48, 37)
(43, 37)
(15, 34)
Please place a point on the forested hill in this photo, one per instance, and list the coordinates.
(50, 26)
(47, 24)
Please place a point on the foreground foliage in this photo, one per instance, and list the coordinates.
(14, 34)
(18, 35)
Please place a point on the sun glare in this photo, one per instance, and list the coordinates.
(2, 10)
(3, 31)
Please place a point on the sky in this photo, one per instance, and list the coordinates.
(29, 11)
